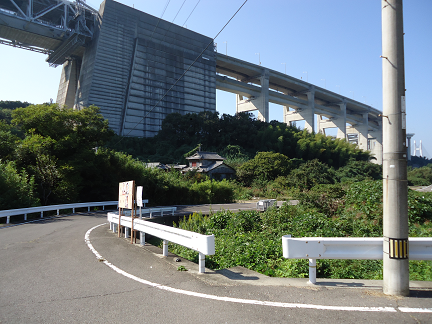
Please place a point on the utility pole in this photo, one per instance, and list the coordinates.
(395, 189)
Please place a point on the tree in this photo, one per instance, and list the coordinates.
(310, 174)
(264, 167)
(59, 147)
(13, 104)
(420, 176)
(17, 189)
(8, 142)
(71, 129)
(359, 171)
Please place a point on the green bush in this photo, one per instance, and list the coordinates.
(420, 176)
(311, 174)
(359, 171)
(253, 240)
(17, 189)
(264, 167)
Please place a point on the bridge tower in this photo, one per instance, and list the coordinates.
(409, 136)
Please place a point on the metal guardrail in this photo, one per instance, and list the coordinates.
(203, 244)
(41, 209)
(361, 248)
(150, 211)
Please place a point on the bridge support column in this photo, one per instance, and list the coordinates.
(263, 103)
(68, 83)
(303, 113)
(341, 121)
(260, 103)
(361, 129)
(376, 148)
(338, 121)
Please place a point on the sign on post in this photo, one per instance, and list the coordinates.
(139, 196)
(139, 199)
(126, 201)
(126, 190)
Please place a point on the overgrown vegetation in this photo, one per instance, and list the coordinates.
(51, 155)
(420, 176)
(66, 155)
(253, 240)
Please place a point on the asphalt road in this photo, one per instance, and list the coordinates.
(48, 274)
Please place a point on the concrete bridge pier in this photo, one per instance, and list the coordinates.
(260, 103)
(376, 142)
(69, 83)
(362, 129)
(306, 113)
(338, 121)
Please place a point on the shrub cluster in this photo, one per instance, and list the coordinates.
(253, 240)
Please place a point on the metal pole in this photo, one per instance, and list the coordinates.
(165, 248)
(312, 271)
(201, 263)
(395, 190)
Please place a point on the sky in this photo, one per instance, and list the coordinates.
(334, 44)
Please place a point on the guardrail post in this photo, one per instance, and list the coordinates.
(103, 207)
(41, 214)
(73, 210)
(58, 212)
(312, 271)
(142, 238)
(126, 232)
(7, 219)
(114, 227)
(88, 208)
(165, 248)
(161, 212)
(25, 217)
(201, 263)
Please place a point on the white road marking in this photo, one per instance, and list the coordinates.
(248, 301)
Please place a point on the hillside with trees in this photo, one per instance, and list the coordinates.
(50, 155)
(64, 155)
(182, 133)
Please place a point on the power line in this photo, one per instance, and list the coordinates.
(202, 52)
(172, 22)
(191, 13)
(163, 12)
(178, 11)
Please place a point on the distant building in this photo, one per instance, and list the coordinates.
(156, 165)
(211, 164)
(178, 167)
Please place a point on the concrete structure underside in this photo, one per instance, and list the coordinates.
(131, 63)
(138, 68)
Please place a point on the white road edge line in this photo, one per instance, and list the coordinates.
(247, 301)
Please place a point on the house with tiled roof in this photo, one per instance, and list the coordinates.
(211, 164)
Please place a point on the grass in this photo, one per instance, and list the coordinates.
(253, 240)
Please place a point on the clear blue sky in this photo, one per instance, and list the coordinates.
(334, 44)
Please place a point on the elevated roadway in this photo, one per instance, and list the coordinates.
(60, 29)
(257, 86)
(120, 69)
